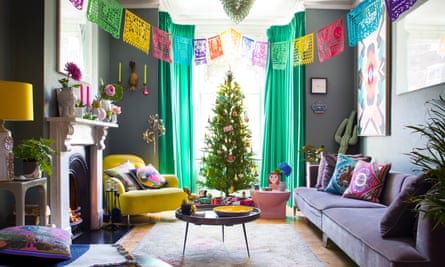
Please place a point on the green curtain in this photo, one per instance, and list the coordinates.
(175, 107)
(284, 109)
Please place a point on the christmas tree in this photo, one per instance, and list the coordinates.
(227, 163)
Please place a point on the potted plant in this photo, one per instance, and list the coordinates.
(36, 153)
(311, 154)
(431, 162)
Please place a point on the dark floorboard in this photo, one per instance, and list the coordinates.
(102, 236)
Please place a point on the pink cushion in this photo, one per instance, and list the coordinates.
(367, 181)
(150, 177)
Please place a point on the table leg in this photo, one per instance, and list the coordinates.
(222, 232)
(245, 238)
(185, 237)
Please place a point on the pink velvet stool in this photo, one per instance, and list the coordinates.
(271, 203)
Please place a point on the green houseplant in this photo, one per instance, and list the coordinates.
(431, 161)
(38, 151)
(311, 153)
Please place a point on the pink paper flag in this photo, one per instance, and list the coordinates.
(161, 44)
(260, 53)
(330, 40)
(215, 47)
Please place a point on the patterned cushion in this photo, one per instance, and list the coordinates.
(325, 170)
(21, 242)
(367, 181)
(342, 175)
(122, 172)
(150, 177)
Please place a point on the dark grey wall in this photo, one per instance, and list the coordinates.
(341, 96)
(135, 106)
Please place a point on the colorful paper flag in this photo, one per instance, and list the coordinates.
(107, 14)
(260, 53)
(303, 49)
(77, 4)
(398, 7)
(363, 20)
(330, 40)
(182, 50)
(215, 47)
(136, 31)
(161, 44)
(200, 51)
(280, 54)
(247, 46)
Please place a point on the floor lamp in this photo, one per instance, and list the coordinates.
(16, 104)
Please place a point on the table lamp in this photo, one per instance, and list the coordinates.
(16, 104)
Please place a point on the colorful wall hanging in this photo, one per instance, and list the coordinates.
(373, 102)
(107, 14)
(303, 49)
(136, 32)
(200, 51)
(260, 53)
(215, 47)
(280, 54)
(77, 4)
(330, 40)
(247, 46)
(363, 20)
(161, 44)
(396, 8)
(182, 50)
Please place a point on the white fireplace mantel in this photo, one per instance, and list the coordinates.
(68, 132)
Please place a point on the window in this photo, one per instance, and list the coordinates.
(207, 78)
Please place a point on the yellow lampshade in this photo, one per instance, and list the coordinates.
(16, 101)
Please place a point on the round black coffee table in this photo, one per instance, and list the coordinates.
(205, 215)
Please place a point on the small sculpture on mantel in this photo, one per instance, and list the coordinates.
(133, 79)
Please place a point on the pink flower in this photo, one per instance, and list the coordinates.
(109, 90)
(73, 71)
(116, 109)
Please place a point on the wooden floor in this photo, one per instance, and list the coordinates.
(331, 256)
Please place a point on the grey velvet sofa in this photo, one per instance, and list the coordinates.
(357, 226)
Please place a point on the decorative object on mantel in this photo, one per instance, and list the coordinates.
(66, 98)
(16, 104)
(237, 10)
(156, 129)
(145, 91)
(133, 79)
(346, 133)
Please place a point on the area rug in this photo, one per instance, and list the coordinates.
(98, 255)
(269, 245)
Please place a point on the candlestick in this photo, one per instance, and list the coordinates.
(81, 94)
(145, 73)
(119, 78)
(88, 96)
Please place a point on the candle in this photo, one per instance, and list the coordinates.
(145, 74)
(81, 94)
(119, 73)
(88, 95)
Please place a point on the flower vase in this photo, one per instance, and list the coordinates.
(78, 112)
(100, 113)
(66, 100)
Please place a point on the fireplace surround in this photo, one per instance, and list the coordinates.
(71, 135)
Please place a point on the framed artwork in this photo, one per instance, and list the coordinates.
(319, 85)
(373, 84)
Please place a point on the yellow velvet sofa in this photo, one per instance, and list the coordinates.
(143, 201)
